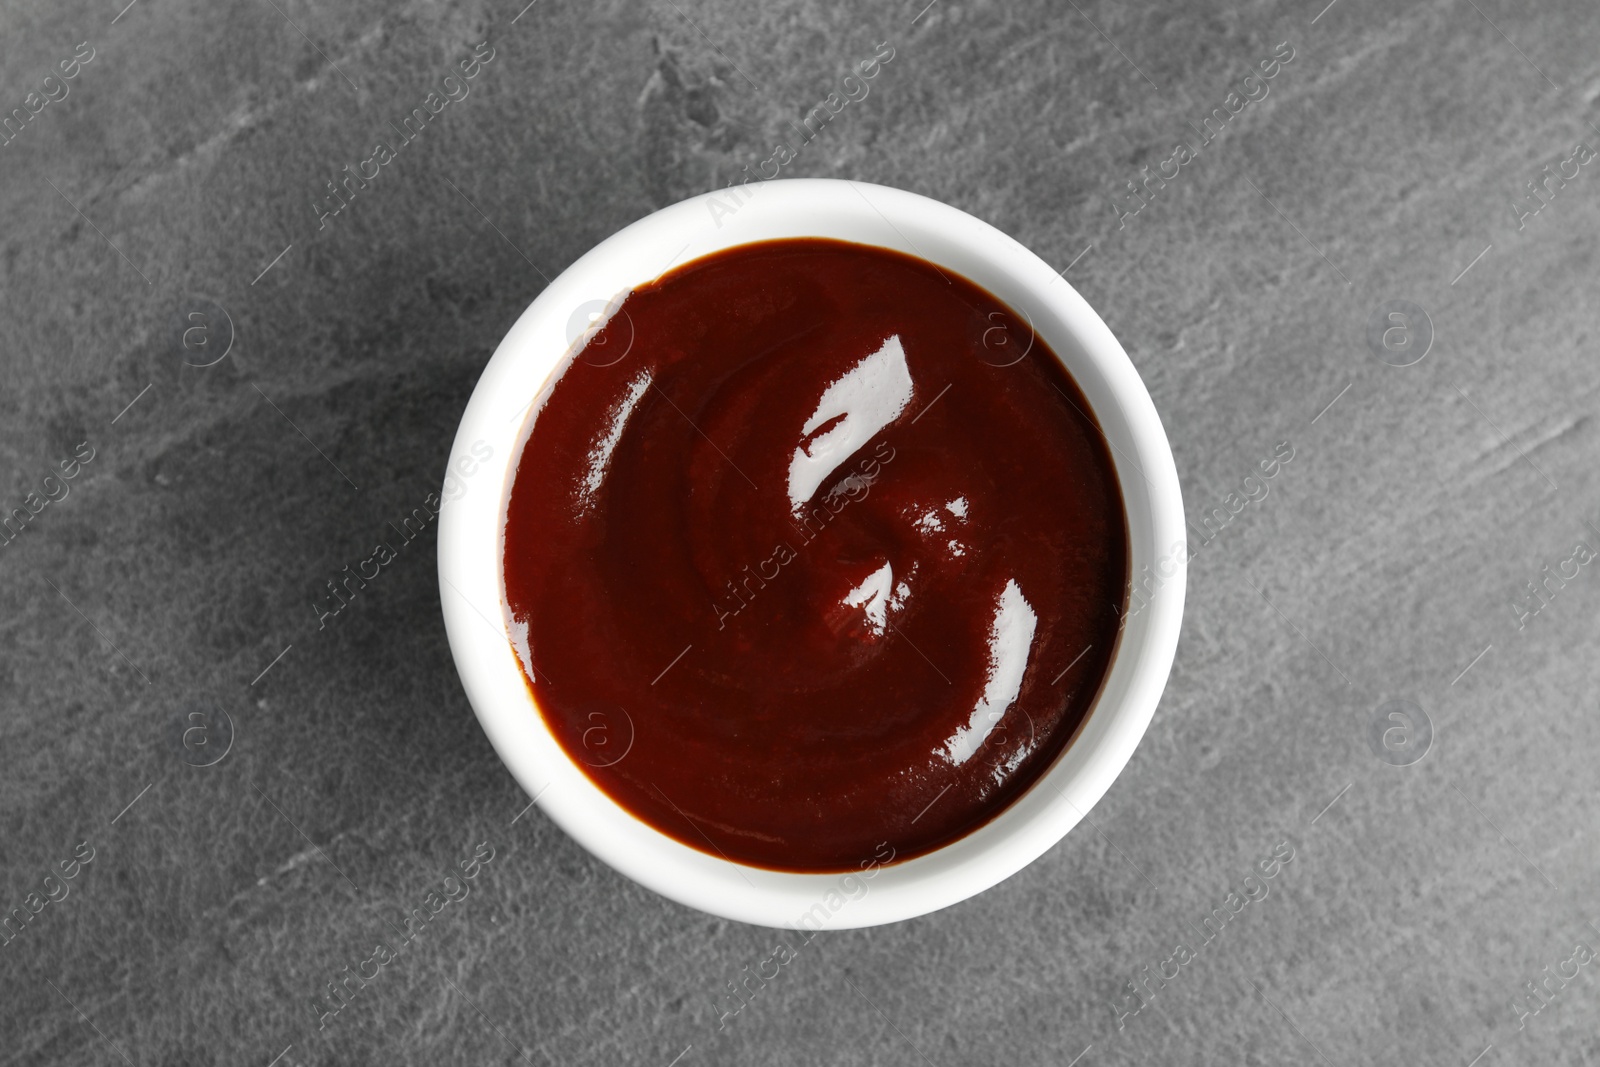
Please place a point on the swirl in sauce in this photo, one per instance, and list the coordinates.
(832, 555)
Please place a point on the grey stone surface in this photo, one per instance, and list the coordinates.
(1385, 563)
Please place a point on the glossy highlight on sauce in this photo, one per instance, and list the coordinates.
(821, 550)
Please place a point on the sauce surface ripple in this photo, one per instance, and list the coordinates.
(813, 538)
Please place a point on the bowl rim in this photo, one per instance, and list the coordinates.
(472, 515)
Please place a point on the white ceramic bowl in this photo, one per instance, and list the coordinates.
(473, 519)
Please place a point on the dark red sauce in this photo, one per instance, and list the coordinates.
(821, 549)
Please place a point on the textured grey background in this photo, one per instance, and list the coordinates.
(1385, 561)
